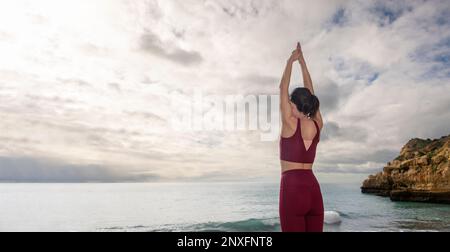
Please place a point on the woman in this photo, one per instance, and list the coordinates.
(301, 205)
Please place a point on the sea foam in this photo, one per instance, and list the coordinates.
(332, 217)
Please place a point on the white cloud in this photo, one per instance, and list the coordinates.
(88, 82)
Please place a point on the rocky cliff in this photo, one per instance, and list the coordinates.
(420, 173)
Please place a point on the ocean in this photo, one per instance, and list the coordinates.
(221, 206)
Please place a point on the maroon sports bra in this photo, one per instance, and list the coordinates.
(293, 149)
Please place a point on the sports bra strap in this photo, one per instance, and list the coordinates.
(317, 125)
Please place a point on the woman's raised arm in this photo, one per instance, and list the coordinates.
(308, 82)
(284, 86)
(306, 76)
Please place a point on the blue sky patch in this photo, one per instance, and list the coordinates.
(387, 15)
(339, 17)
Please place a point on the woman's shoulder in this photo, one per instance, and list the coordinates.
(291, 122)
(318, 123)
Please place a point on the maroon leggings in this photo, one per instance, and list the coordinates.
(301, 204)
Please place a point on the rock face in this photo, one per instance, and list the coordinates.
(420, 173)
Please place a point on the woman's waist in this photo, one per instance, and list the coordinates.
(298, 178)
(298, 171)
(291, 168)
(287, 166)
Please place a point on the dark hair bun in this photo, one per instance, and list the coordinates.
(306, 102)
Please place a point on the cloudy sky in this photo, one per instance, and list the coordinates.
(86, 85)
